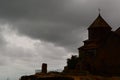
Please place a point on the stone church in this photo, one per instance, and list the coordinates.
(100, 54)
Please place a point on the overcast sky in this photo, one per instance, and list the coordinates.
(50, 31)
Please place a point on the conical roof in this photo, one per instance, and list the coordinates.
(99, 23)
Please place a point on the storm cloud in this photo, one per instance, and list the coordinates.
(60, 22)
(37, 31)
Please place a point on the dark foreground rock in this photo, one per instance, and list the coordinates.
(45, 78)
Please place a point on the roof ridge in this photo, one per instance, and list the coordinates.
(99, 22)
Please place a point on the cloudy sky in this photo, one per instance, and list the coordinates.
(50, 31)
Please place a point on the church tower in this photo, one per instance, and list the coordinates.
(99, 29)
(100, 53)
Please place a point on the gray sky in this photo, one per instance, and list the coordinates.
(37, 31)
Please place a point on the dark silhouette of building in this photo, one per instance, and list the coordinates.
(100, 54)
(44, 68)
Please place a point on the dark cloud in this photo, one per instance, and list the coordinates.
(46, 20)
(60, 34)
(32, 9)
(60, 22)
(63, 23)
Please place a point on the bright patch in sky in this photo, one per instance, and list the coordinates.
(20, 41)
(22, 54)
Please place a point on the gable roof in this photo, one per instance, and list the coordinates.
(99, 23)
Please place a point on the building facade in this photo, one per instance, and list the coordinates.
(100, 54)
